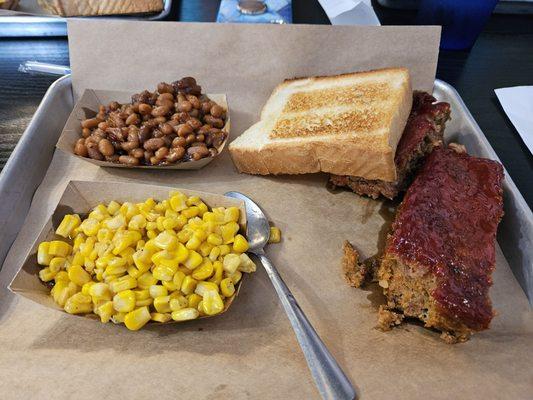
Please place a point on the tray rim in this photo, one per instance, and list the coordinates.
(9, 174)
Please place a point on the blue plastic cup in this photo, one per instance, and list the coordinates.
(462, 20)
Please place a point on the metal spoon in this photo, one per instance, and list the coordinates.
(329, 378)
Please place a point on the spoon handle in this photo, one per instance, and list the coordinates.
(331, 381)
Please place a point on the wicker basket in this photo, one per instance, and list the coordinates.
(73, 8)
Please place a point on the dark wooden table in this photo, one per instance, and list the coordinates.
(502, 56)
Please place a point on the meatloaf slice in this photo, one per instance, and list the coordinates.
(440, 255)
(422, 133)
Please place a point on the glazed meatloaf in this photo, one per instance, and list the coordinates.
(440, 255)
(422, 133)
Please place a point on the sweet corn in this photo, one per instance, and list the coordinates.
(178, 302)
(204, 271)
(162, 304)
(185, 314)
(68, 224)
(136, 319)
(231, 263)
(275, 235)
(131, 263)
(124, 301)
(160, 317)
(226, 287)
(188, 285)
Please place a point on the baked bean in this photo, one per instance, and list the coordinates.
(160, 111)
(168, 103)
(184, 106)
(154, 160)
(200, 137)
(184, 130)
(103, 125)
(80, 149)
(133, 119)
(194, 123)
(85, 132)
(145, 109)
(114, 158)
(194, 113)
(160, 120)
(135, 107)
(166, 96)
(194, 101)
(213, 152)
(190, 138)
(206, 107)
(114, 105)
(184, 117)
(128, 160)
(179, 141)
(157, 133)
(153, 144)
(175, 154)
(167, 129)
(145, 133)
(137, 153)
(94, 153)
(105, 147)
(161, 153)
(90, 123)
(216, 111)
(147, 156)
(216, 122)
(127, 146)
(164, 87)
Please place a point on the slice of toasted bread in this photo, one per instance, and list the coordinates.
(346, 124)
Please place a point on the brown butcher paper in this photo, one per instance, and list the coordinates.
(251, 352)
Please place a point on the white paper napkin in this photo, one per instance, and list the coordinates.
(350, 12)
(517, 103)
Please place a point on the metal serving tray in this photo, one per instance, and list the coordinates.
(20, 178)
(44, 25)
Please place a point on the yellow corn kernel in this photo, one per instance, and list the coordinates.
(170, 285)
(90, 226)
(124, 283)
(195, 223)
(59, 248)
(193, 201)
(78, 275)
(150, 202)
(235, 277)
(193, 243)
(214, 253)
(164, 273)
(231, 263)
(166, 241)
(226, 287)
(133, 272)
(57, 264)
(190, 212)
(58, 290)
(116, 265)
(78, 304)
(140, 244)
(210, 227)
(185, 270)
(62, 276)
(110, 278)
(200, 308)
(228, 232)
(159, 223)
(170, 223)
(219, 270)
(202, 207)
(78, 259)
(185, 314)
(240, 244)
(194, 260)
(79, 239)
(214, 239)
(178, 202)
(184, 235)
(205, 249)
(146, 280)
(275, 235)
(124, 301)
(141, 259)
(212, 303)
(105, 311)
(203, 287)
(113, 207)
(224, 249)
(151, 226)
(193, 299)
(188, 285)
(231, 214)
(137, 222)
(178, 278)
(127, 254)
(204, 271)
(142, 294)
(68, 224)
(169, 213)
(117, 222)
(100, 291)
(246, 265)
(87, 247)
(46, 274)
(88, 264)
(118, 318)
(136, 319)
(86, 287)
(162, 304)
(178, 302)
(158, 291)
(160, 317)
(145, 302)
